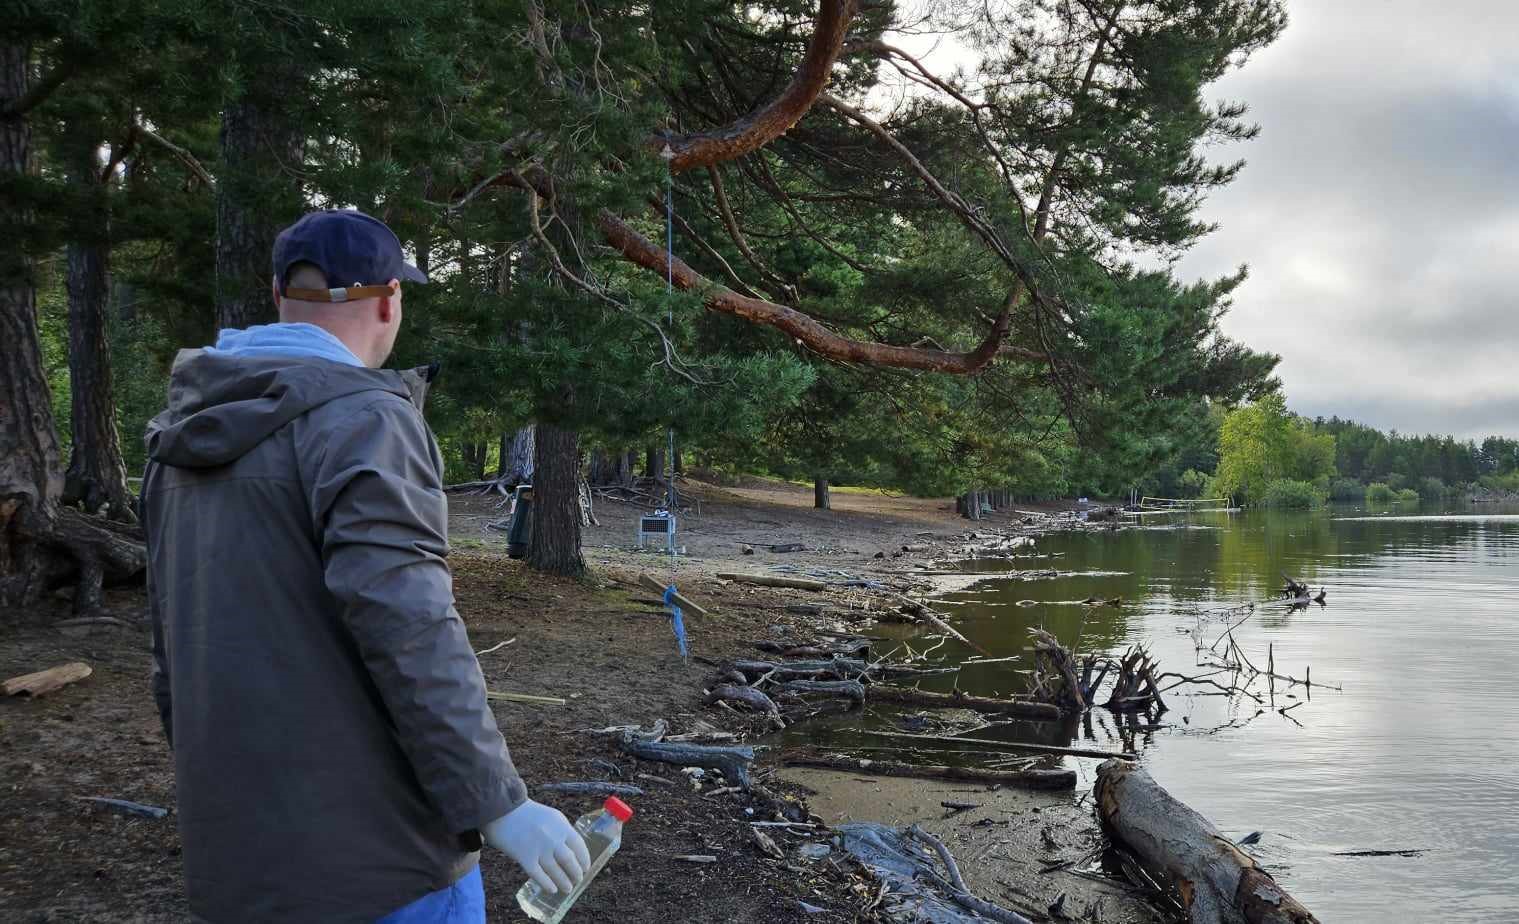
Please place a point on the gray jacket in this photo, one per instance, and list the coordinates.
(333, 748)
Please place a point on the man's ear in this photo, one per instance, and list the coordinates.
(274, 289)
(389, 303)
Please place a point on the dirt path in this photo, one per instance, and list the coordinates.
(593, 643)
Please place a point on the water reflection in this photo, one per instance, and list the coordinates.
(1417, 751)
(1416, 754)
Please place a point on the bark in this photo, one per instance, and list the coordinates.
(258, 194)
(820, 497)
(518, 459)
(29, 479)
(555, 544)
(754, 131)
(96, 476)
(1218, 883)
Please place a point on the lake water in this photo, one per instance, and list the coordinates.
(1418, 752)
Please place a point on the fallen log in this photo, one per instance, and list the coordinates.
(597, 789)
(838, 668)
(44, 682)
(769, 580)
(1025, 779)
(1021, 708)
(850, 689)
(749, 696)
(732, 760)
(1009, 745)
(1217, 881)
(681, 600)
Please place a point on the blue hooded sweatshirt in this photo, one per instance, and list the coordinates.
(298, 339)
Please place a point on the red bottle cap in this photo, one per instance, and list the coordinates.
(619, 809)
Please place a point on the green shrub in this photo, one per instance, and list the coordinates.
(1346, 489)
(1408, 496)
(1284, 493)
(1379, 493)
(1432, 488)
(1192, 483)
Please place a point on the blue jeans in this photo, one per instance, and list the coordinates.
(461, 903)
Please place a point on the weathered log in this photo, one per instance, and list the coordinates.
(46, 681)
(851, 689)
(1009, 745)
(749, 696)
(1026, 779)
(596, 788)
(839, 668)
(732, 760)
(770, 580)
(1217, 881)
(1022, 708)
(681, 599)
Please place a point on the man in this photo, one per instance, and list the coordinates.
(334, 753)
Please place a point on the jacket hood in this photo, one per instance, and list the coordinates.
(222, 405)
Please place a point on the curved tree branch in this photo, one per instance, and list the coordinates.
(759, 128)
(810, 332)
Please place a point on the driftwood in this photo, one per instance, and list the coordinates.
(1021, 708)
(591, 789)
(1135, 687)
(920, 610)
(749, 696)
(526, 698)
(850, 689)
(681, 600)
(44, 682)
(732, 760)
(1216, 880)
(838, 668)
(1026, 779)
(849, 648)
(769, 580)
(1010, 745)
(1055, 673)
(956, 886)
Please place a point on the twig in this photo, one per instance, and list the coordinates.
(495, 647)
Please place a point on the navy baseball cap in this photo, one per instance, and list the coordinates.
(350, 248)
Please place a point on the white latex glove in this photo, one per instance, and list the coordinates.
(544, 844)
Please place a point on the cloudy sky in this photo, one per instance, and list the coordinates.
(1379, 212)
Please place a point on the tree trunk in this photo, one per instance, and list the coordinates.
(626, 466)
(654, 463)
(257, 194)
(1216, 880)
(555, 544)
(599, 471)
(39, 543)
(518, 459)
(679, 462)
(29, 480)
(820, 497)
(96, 476)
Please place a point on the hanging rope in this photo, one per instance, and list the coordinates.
(672, 500)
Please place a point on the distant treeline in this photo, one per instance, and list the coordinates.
(1367, 455)
(1262, 454)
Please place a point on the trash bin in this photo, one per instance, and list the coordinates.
(521, 529)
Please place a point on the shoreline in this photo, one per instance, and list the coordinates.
(612, 658)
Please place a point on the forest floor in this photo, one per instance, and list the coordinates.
(593, 643)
